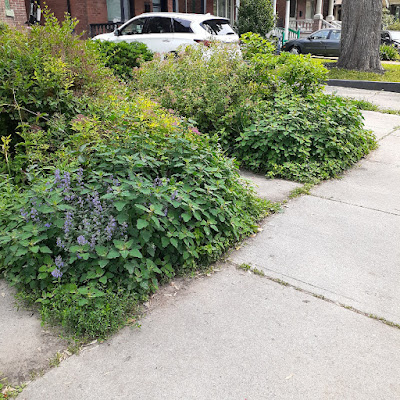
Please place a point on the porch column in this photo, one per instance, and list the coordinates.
(287, 16)
(318, 16)
(330, 16)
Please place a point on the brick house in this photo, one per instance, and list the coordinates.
(13, 12)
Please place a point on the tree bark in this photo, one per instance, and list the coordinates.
(361, 35)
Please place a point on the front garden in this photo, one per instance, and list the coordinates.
(115, 180)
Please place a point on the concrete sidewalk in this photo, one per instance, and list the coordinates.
(382, 99)
(303, 331)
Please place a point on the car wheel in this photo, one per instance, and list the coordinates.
(295, 50)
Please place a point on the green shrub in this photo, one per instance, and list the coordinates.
(388, 53)
(210, 87)
(122, 57)
(255, 16)
(103, 190)
(155, 199)
(289, 72)
(220, 91)
(304, 139)
(253, 43)
(48, 76)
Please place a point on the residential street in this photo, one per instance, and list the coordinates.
(315, 323)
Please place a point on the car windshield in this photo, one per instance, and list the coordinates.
(395, 35)
(218, 27)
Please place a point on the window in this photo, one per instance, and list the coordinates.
(182, 26)
(9, 11)
(117, 10)
(134, 28)
(320, 35)
(335, 35)
(158, 25)
(217, 27)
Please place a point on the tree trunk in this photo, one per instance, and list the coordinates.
(361, 35)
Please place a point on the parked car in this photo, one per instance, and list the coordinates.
(164, 32)
(391, 38)
(325, 42)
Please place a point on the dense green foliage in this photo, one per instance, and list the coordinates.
(218, 90)
(122, 57)
(104, 193)
(304, 139)
(388, 53)
(255, 16)
(268, 112)
(49, 76)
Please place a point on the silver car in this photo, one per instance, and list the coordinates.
(164, 32)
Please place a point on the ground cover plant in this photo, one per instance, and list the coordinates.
(105, 194)
(268, 110)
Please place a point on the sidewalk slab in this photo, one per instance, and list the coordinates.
(346, 253)
(381, 124)
(270, 189)
(236, 335)
(371, 184)
(25, 347)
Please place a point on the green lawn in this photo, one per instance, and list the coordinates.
(392, 72)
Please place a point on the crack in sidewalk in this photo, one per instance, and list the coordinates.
(355, 205)
(318, 296)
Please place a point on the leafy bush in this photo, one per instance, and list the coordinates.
(220, 91)
(388, 53)
(255, 16)
(122, 57)
(49, 76)
(253, 43)
(209, 87)
(304, 139)
(103, 190)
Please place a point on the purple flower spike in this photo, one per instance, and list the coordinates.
(173, 196)
(81, 240)
(57, 273)
(166, 211)
(59, 262)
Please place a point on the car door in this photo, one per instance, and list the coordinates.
(159, 34)
(183, 33)
(154, 32)
(315, 43)
(332, 44)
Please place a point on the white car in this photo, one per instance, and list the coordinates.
(165, 31)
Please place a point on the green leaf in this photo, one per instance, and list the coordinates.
(135, 253)
(45, 249)
(21, 252)
(103, 263)
(34, 249)
(85, 256)
(83, 302)
(124, 253)
(164, 241)
(113, 253)
(130, 268)
(101, 251)
(141, 223)
(119, 205)
(174, 242)
(119, 244)
(186, 217)
(103, 280)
